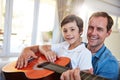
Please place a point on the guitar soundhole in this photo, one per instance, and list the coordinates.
(38, 68)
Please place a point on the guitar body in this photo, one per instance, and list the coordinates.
(32, 72)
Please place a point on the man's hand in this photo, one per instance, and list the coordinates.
(24, 58)
(73, 74)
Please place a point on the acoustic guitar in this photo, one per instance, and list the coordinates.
(41, 69)
(32, 71)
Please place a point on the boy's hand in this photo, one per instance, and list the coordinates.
(51, 56)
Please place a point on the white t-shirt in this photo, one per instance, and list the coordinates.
(80, 56)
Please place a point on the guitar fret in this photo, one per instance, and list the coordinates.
(100, 78)
(94, 77)
(90, 78)
(84, 75)
(87, 76)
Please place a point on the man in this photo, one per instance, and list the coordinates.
(104, 63)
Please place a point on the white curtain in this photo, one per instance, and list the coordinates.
(60, 13)
(57, 35)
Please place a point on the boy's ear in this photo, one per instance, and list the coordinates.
(81, 32)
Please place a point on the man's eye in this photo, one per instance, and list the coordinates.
(90, 27)
(72, 29)
(100, 29)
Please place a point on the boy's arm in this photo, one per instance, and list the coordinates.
(48, 53)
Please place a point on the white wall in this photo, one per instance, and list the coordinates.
(110, 6)
(113, 43)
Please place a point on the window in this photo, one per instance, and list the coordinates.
(22, 22)
(118, 23)
(26, 22)
(46, 21)
(2, 17)
(114, 28)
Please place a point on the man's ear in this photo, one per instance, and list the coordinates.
(109, 32)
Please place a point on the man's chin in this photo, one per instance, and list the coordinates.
(92, 44)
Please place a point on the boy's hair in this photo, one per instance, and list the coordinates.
(104, 14)
(72, 18)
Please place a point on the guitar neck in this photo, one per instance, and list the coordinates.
(60, 69)
(88, 76)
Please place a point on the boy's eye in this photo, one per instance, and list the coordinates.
(65, 31)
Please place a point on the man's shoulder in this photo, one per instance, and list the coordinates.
(107, 56)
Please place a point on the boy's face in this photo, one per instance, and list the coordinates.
(70, 32)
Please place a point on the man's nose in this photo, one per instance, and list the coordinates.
(94, 31)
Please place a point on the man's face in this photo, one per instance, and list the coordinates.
(97, 31)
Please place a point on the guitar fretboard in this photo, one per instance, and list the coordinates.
(61, 69)
(87, 76)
